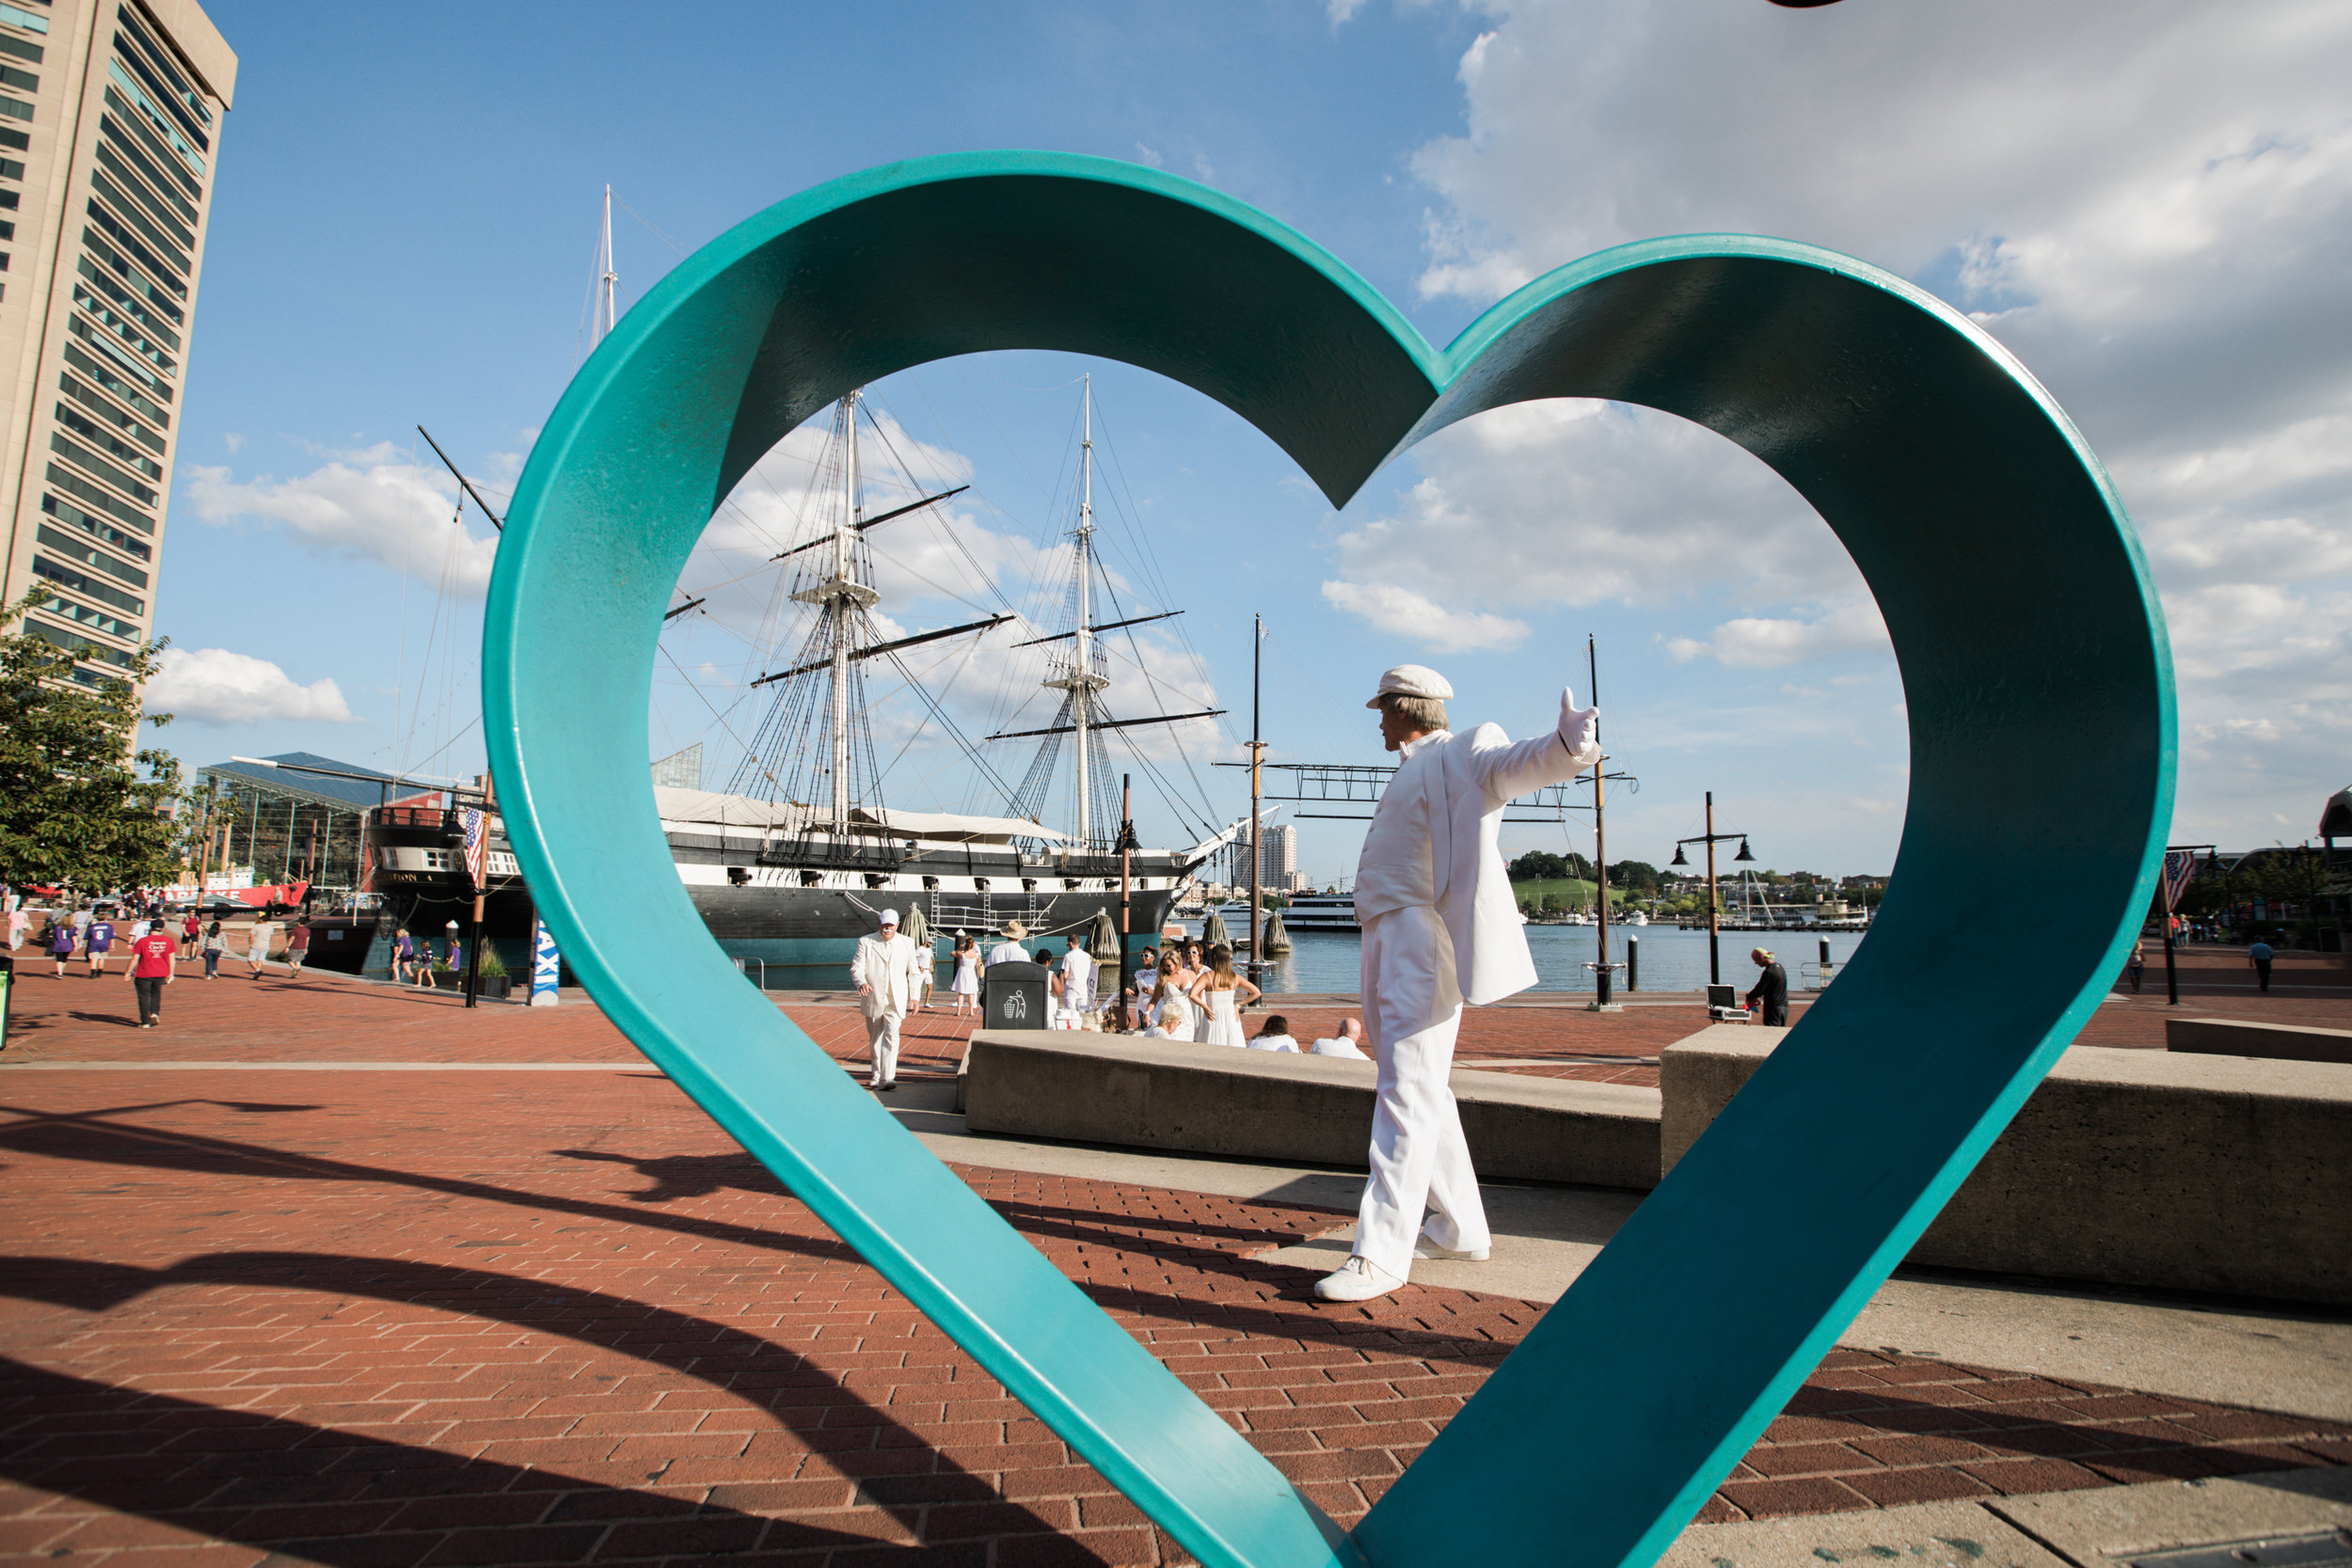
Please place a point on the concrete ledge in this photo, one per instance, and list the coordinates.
(1306, 1110)
(2285, 1042)
(2133, 1167)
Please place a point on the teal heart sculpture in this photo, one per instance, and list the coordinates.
(2033, 661)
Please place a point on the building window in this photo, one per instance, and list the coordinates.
(108, 412)
(84, 555)
(73, 516)
(89, 588)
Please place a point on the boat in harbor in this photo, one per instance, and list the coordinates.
(798, 857)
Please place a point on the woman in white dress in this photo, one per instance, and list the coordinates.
(1169, 1005)
(1221, 994)
(1192, 968)
(967, 983)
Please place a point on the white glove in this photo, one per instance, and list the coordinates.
(1579, 726)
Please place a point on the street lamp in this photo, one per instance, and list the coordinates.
(1710, 838)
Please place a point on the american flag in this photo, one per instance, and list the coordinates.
(2178, 866)
(477, 841)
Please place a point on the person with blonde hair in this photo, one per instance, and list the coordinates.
(1441, 927)
(1771, 989)
(1218, 993)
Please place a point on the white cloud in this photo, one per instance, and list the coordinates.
(1765, 642)
(213, 686)
(374, 504)
(1409, 615)
(2148, 204)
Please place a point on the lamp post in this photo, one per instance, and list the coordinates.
(1710, 838)
(2171, 887)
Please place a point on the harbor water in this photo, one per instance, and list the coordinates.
(1671, 959)
(1321, 963)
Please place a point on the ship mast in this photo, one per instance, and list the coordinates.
(843, 597)
(607, 279)
(1080, 680)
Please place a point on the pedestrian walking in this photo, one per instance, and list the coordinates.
(966, 983)
(297, 949)
(1771, 990)
(2259, 954)
(215, 944)
(887, 984)
(191, 933)
(403, 957)
(17, 920)
(2136, 964)
(150, 971)
(257, 946)
(60, 941)
(1218, 994)
(97, 941)
(1441, 927)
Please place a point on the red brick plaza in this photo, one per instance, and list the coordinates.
(339, 1274)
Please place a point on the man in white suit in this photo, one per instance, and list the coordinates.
(887, 970)
(1441, 927)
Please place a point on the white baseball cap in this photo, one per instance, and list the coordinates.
(890, 917)
(1412, 680)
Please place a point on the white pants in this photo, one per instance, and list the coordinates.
(881, 1039)
(1419, 1161)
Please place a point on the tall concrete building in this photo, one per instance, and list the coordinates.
(110, 129)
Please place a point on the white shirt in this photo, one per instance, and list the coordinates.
(1396, 869)
(1078, 975)
(1337, 1048)
(1434, 841)
(1274, 1042)
(1010, 952)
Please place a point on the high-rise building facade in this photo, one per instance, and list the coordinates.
(1278, 859)
(110, 129)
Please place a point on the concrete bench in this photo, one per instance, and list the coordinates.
(1304, 1110)
(2133, 1168)
(2285, 1042)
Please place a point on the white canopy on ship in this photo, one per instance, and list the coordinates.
(707, 808)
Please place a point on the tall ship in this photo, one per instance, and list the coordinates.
(798, 857)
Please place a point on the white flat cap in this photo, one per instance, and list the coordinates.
(890, 917)
(1412, 680)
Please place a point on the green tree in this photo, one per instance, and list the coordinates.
(80, 803)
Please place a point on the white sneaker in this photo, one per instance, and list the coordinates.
(1435, 1253)
(1358, 1279)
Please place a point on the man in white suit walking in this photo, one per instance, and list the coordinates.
(888, 976)
(1441, 927)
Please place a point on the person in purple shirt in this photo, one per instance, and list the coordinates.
(100, 941)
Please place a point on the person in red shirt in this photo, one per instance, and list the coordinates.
(150, 971)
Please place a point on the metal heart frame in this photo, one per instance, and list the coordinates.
(2033, 660)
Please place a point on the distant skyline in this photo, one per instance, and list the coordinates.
(2143, 203)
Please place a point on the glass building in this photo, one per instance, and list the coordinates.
(290, 825)
(110, 126)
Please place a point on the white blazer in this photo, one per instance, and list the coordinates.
(892, 968)
(1483, 771)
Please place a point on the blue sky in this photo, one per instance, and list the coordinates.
(403, 233)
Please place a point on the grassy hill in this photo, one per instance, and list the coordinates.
(1572, 890)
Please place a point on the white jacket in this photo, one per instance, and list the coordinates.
(892, 968)
(1455, 808)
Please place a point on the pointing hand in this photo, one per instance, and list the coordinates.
(1577, 725)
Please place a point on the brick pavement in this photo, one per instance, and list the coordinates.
(385, 1320)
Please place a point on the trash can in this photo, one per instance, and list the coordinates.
(1015, 996)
